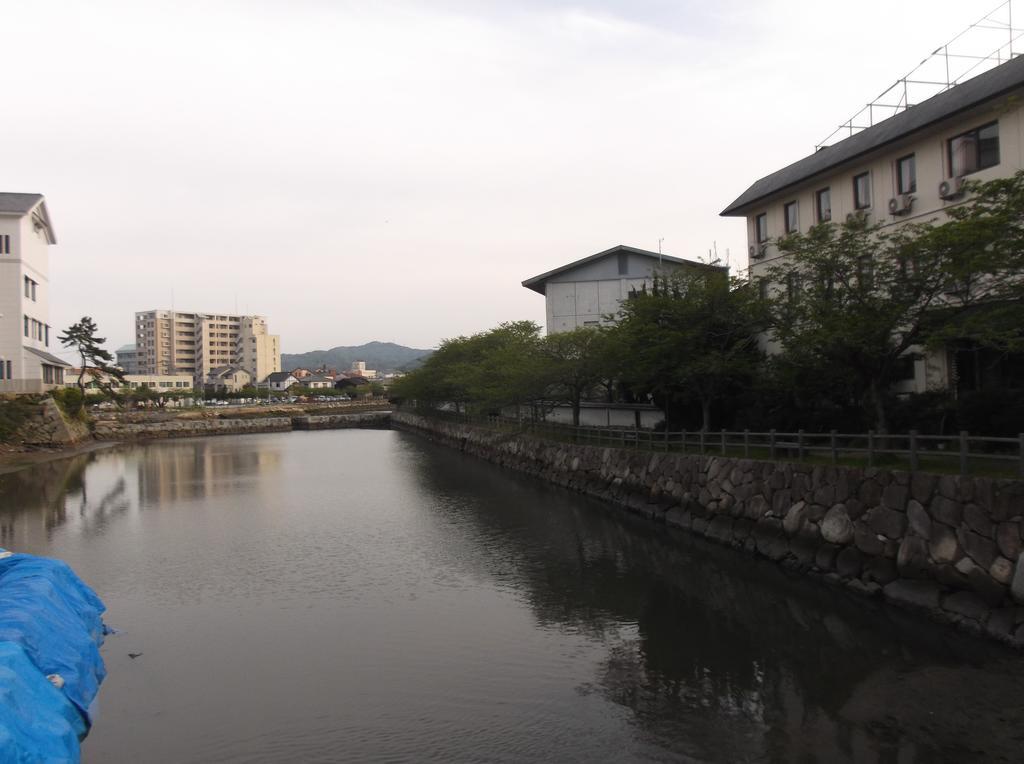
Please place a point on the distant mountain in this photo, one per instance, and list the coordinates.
(382, 356)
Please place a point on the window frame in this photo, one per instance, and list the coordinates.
(758, 219)
(976, 133)
(794, 206)
(817, 204)
(858, 202)
(913, 174)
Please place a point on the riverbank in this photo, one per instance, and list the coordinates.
(109, 429)
(946, 547)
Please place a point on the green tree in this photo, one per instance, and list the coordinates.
(95, 360)
(692, 337)
(484, 371)
(573, 364)
(863, 297)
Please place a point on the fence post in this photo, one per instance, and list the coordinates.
(771, 443)
(684, 442)
(914, 465)
(963, 452)
(871, 448)
(702, 442)
(746, 444)
(1020, 448)
(834, 445)
(723, 441)
(666, 437)
(799, 445)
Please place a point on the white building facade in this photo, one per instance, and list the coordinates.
(590, 291)
(27, 341)
(909, 167)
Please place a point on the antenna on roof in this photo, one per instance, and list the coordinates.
(968, 54)
(660, 261)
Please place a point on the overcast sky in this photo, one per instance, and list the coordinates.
(393, 170)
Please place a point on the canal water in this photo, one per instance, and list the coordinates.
(368, 596)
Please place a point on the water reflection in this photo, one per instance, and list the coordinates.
(722, 657)
(93, 489)
(366, 595)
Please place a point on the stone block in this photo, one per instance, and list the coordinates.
(978, 521)
(943, 547)
(849, 562)
(825, 557)
(795, 518)
(979, 548)
(869, 493)
(966, 605)
(757, 506)
(825, 495)
(836, 527)
(742, 527)
(880, 570)
(867, 540)
(1017, 582)
(1008, 539)
(916, 595)
(917, 519)
(1001, 571)
(887, 522)
(912, 558)
(781, 502)
(1000, 623)
(894, 497)
(720, 529)
(922, 485)
(946, 510)
(988, 589)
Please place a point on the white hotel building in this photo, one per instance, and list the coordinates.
(27, 364)
(909, 167)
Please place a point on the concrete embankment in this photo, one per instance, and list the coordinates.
(946, 546)
(186, 428)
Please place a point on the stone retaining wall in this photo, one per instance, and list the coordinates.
(947, 546)
(49, 427)
(185, 428)
(369, 419)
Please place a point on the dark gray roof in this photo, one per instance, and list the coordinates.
(50, 359)
(18, 203)
(223, 371)
(987, 86)
(278, 376)
(126, 349)
(537, 282)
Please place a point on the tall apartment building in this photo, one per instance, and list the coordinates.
(257, 351)
(172, 342)
(26, 364)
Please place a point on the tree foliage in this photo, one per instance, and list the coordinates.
(95, 360)
(692, 338)
(862, 297)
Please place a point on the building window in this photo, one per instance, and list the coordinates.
(862, 191)
(794, 285)
(27, 282)
(823, 205)
(761, 228)
(5, 244)
(26, 325)
(790, 213)
(974, 150)
(46, 328)
(906, 175)
(865, 272)
(762, 289)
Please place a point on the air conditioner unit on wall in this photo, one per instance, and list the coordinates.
(857, 216)
(757, 251)
(952, 188)
(900, 205)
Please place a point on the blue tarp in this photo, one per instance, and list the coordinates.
(50, 624)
